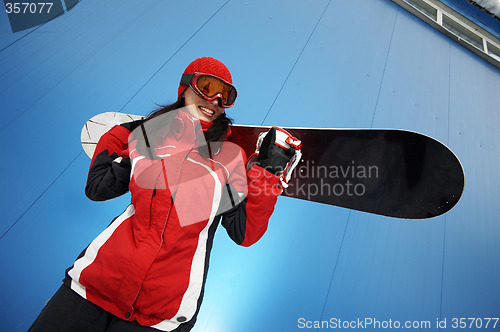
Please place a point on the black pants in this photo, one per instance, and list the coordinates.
(67, 311)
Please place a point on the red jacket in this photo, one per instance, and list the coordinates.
(150, 263)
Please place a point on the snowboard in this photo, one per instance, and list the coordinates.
(390, 172)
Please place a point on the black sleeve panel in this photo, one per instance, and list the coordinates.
(234, 221)
(108, 178)
(130, 126)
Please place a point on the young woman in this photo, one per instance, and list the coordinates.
(146, 271)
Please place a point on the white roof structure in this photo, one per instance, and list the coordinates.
(457, 26)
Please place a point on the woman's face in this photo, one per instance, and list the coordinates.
(205, 110)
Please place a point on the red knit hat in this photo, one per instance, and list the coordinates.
(206, 65)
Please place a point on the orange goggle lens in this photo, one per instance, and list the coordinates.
(210, 87)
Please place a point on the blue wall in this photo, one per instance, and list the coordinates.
(346, 64)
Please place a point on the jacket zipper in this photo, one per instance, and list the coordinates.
(151, 206)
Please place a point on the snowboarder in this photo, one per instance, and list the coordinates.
(146, 271)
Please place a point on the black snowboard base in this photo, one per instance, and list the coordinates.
(393, 173)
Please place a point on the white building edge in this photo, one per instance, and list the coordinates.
(456, 26)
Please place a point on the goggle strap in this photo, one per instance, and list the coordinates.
(186, 79)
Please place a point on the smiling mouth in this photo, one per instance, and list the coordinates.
(206, 111)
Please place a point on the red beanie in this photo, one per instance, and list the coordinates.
(206, 65)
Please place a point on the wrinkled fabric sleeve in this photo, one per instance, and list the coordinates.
(109, 173)
(247, 222)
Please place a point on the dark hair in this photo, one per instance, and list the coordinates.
(145, 144)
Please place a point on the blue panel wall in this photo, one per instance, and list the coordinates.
(345, 64)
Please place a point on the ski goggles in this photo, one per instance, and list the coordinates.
(210, 87)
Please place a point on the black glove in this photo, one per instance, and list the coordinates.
(272, 157)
